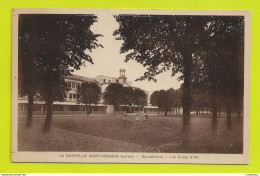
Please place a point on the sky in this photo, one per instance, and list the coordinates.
(108, 60)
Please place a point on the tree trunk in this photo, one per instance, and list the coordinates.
(186, 98)
(89, 109)
(228, 116)
(166, 112)
(29, 110)
(241, 82)
(47, 124)
(114, 111)
(239, 115)
(240, 110)
(86, 109)
(202, 110)
(125, 115)
(214, 110)
(219, 111)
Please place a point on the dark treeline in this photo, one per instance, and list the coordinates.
(116, 94)
(207, 50)
(89, 93)
(166, 100)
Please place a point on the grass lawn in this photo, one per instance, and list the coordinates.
(100, 133)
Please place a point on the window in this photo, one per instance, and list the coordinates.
(69, 84)
(57, 107)
(73, 86)
(72, 97)
(75, 108)
(38, 107)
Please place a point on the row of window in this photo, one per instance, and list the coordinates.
(72, 96)
(104, 81)
(72, 85)
(37, 107)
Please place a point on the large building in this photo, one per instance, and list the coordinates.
(71, 106)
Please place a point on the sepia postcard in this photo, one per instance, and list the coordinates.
(130, 86)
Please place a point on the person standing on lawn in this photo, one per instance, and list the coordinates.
(137, 116)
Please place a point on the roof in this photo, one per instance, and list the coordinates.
(81, 78)
(105, 76)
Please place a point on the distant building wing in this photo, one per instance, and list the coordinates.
(81, 78)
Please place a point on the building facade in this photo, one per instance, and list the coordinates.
(71, 106)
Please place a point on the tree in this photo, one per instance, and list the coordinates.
(207, 49)
(161, 43)
(155, 100)
(112, 94)
(163, 100)
(126, 96)
(59, 44)
(175, 97)
(27, 79)
(89, 93)
(221, 61)
(139, 98)
(178, 100)
(230, 36)
(52, 87)
(199, 99)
